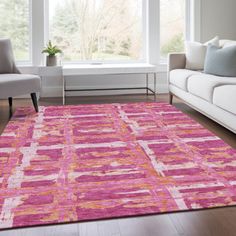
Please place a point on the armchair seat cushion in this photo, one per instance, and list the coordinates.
(179, 77)
(12, 85)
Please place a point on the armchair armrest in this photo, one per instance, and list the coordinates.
(176, 61)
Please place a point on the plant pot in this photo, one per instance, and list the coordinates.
(51, 61)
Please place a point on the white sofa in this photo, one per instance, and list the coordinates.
(211, 95)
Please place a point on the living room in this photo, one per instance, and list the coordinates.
(117, 117)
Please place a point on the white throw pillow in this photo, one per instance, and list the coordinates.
(196, 53)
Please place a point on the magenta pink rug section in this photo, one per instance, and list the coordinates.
(78, 163)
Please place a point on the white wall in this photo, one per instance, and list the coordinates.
(218, 17)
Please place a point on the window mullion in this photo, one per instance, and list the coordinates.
(153, 32)
(37, 31)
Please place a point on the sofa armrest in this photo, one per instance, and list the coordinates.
(176, 61)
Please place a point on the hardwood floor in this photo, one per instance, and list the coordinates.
(215, 222)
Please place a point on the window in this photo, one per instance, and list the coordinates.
(93, 31)
(172, 26)
(15, 24)
(98, 30)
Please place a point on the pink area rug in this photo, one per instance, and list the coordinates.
(89, 162)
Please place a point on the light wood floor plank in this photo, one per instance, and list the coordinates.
(88, 229)
(149, 226)
(108, 228)
(204, 222)
(132, 227)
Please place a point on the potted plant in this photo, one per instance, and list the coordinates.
(52, 51)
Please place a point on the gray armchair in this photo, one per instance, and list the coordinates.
(12, 82)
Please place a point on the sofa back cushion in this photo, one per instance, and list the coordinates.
(221, 61)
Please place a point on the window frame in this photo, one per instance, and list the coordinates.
(39, 32)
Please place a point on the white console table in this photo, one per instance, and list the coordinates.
(62, 73)
(110, 69)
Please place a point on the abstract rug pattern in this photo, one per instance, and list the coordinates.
(78, 163)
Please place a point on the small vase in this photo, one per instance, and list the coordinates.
(51, 61)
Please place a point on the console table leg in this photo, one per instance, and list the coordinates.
(147, 84)
(155, 86)
(63, 90)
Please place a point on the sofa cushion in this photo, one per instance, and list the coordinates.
(225, 98)
(179, 77)
(203, 85)
(12, 85)
(221, 61)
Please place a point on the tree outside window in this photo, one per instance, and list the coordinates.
(94, 30)
(88, 30)
(172, 15)
(14, 24)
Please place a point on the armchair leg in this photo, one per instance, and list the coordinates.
(10, 102)
(171, 98)
(35, 102)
